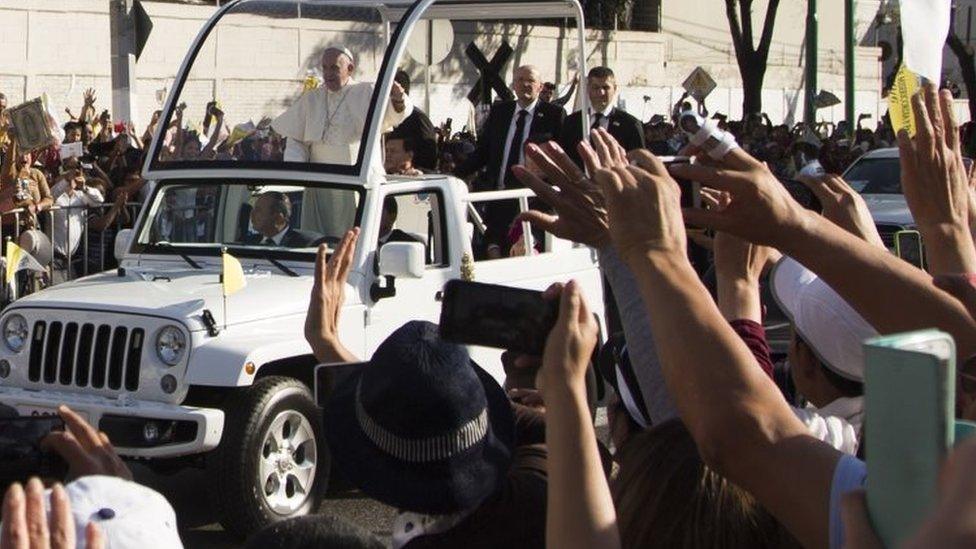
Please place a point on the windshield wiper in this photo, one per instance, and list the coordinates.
(279, 264)
(189, 260)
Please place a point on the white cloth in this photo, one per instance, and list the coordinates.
(812, 168)
(326, 126)
(924, 27)
(408, 525)
(68, 224)
(508, 138)
(838, 423)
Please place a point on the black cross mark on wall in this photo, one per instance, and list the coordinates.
(489, 74)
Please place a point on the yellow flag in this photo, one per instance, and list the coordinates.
(14, 253)
(900, 101)
(232, 277)
(19, 259)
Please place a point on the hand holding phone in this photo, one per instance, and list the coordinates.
(497, 316)
(21, 455)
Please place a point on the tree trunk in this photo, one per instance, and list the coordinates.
(967, 65)
(753, 74)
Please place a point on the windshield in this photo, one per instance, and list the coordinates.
(281, 217)
(880, 175)
(278, 81)
(875, 176)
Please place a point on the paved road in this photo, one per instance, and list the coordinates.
(198, 527)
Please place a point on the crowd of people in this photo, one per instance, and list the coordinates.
(708, 447)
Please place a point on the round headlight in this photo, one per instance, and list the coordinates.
(170, 345)
(15, 332)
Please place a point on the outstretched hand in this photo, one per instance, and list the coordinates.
(26, 524)
(935, 183)
(328, 296)
(843, 206)
(570, 344)
(86, 450)
(759, 208)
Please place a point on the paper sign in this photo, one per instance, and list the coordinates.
(924, 27)
(699, 84)
(72, 150)
(31, 130)
(900, 101)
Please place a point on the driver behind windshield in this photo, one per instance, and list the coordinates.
(271, 218)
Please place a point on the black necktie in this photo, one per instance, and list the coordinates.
(515, 148)
(597, 118)
(268, 242)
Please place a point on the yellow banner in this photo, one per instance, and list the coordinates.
(232, 277)
(14, 253)
(900, 101)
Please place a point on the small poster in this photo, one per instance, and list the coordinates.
(699, 84)
(31, 128)
(72, 150)
(900, 101)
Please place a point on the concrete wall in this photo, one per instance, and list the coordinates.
(62, 47)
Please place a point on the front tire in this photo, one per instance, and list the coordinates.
(271, 463)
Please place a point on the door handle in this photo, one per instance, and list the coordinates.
(439, 296)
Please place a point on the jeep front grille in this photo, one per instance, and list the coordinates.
(84, 355)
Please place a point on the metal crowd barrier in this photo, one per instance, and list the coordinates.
(46, 221)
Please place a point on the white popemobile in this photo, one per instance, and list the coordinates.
(152, 355)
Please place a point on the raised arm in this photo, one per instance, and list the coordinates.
(888, 292)
(325, 305)
(739, 420)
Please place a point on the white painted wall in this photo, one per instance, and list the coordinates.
(62, 47)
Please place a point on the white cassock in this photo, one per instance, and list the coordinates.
(326, 126)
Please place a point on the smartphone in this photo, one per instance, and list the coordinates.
(20, 448)
(690, 190)
(330, 376)
(908, 246)
(803, 195)
(497, 316)
(909, 397)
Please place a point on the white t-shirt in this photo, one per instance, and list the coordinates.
(838, 423)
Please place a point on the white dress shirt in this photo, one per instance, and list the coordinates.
(508, 138)
(68, 224)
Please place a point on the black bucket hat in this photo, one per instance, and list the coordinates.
(421, 427)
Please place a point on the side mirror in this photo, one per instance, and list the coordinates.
(122, 241)
(396, 259)
(402, 259)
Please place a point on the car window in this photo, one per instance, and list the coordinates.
(875, 176)
(281, 216)
(417, 217)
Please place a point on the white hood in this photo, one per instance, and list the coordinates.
(889, 209)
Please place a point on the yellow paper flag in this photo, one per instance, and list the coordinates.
(232, 277)
(900, 101)
(14, 253)
(18, 260)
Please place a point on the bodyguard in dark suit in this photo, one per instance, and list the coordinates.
(271, 217)
(418, 129)
(601, 86)
(501, 145)
(499, 136)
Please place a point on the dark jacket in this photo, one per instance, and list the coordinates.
(292, 239)
(547, 123)
(420, 130)
(622, 126)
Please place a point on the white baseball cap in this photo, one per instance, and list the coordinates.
(129, 514)
(834, 331)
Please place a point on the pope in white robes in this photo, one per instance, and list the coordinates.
(326, 125)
